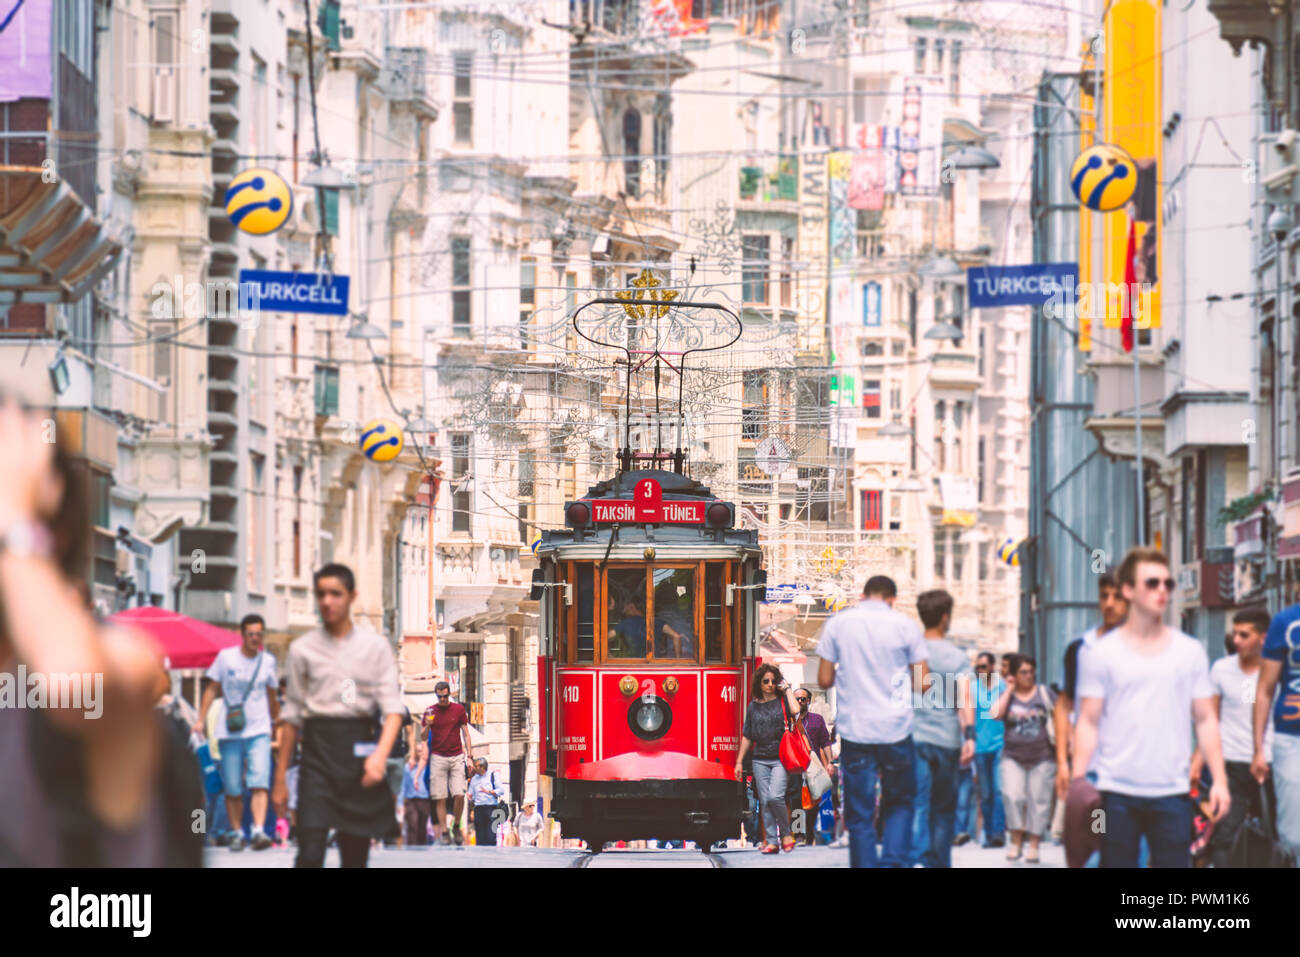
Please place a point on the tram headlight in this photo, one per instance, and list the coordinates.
(577, 515)
(649, 717)
(720, 515)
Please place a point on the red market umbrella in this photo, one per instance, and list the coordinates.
(186, 642)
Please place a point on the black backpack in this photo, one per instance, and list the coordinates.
(1256, 844)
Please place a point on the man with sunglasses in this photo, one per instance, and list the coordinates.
(1136, 691)
(819, 738)
(450, 756)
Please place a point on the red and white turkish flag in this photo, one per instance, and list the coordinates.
(1130, 287)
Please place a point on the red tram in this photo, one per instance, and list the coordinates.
(648, 632)
(648, 620)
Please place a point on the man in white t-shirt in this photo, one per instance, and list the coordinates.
(866, 653)
(244, 677)
(1235, 679)
(1136, 691)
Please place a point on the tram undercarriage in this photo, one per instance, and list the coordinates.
(685, 810)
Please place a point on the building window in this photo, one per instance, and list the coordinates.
(940, 427)
(163, 333)
(663, 122)
(527, 299)
(753, 412)
(570, 293)
(328, 22)
(101, 485)
(918, 65)
(871, 510)
(954, 71)
(940, 554)
(871, 398)
(165, 27)
(463, 100)
(981, 470)
(787, 271)
(938, 57)
(958, 559)
(756, 252)
(895, 398)
(911, 315)
(527, 473)
(460, 280)
(632, 151)
(327, 390)
(460, 476)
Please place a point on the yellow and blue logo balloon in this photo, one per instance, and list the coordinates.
(1009, 553)
(1103, 177)
(259, 201)
(381, 440)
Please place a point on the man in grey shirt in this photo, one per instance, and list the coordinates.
(867, 652)
(944, 730)
(342, 682)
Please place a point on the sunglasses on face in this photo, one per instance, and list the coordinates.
(1153, 584)
(769, 681)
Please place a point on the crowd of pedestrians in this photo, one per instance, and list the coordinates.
(1176, 758)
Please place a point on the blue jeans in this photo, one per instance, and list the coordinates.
(769, 782)
(934, 805)
(1165, 822)
(988, 772)
(966, 803)
(861, 765)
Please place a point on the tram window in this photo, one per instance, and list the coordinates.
(627, 623)
(713, 606)
(674, 612)
(586, 650)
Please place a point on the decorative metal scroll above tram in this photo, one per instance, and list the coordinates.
(637, 316)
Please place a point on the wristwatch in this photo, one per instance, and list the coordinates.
(27, 539)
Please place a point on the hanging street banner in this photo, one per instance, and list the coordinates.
(871, 303)
(296, 291)
(1032, 285)
(920, 102)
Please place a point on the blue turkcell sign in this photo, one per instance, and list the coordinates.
(1031, 285)
(294, 291)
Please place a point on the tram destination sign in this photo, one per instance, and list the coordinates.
(631, 511)
(647, 505)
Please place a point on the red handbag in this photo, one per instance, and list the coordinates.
(795, 749)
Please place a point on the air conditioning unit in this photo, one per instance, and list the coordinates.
(1279, 167)
(305, 217)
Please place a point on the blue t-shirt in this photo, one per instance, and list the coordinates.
(414, 786)
(988, 732)
(1283, 644)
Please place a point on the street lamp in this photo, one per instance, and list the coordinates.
(943, 330)
(940, 267)
(363, 328)
(971, 156)
(894, 429)
(912, 483)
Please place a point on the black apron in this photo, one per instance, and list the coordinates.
(330, 794)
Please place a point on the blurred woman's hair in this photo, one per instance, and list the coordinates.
(70, 524)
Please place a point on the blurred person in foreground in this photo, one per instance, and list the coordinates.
(100, 777)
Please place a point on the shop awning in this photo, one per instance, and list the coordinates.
(52, 248)
(186, 642)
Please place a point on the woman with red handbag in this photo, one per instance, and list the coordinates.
(775, 746)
